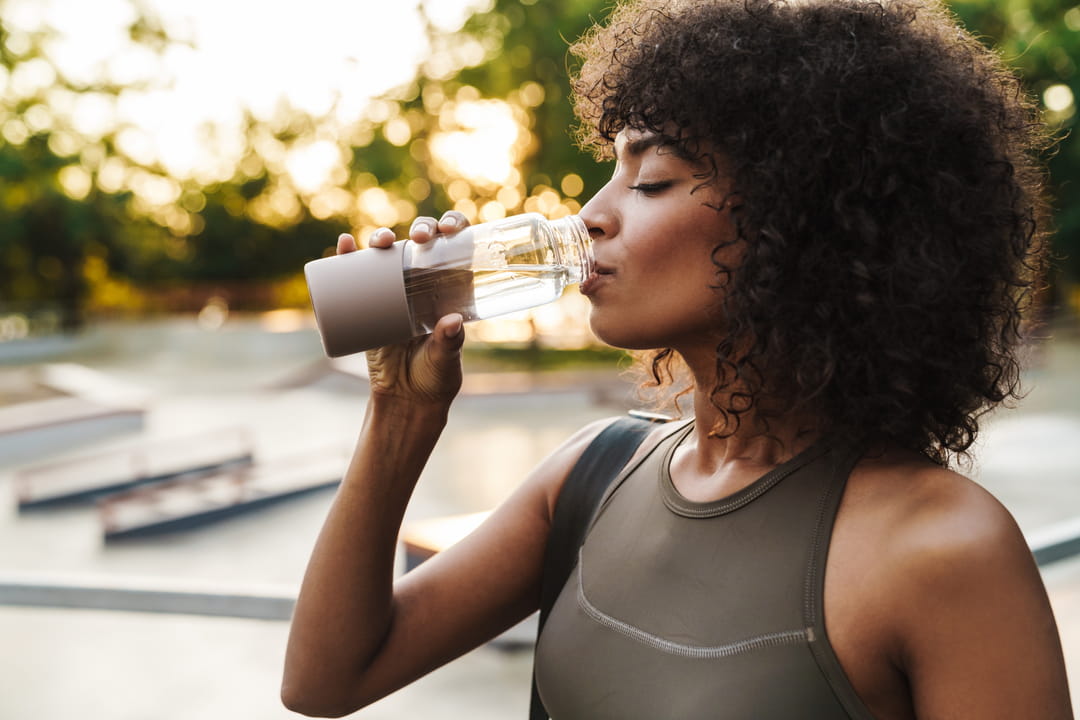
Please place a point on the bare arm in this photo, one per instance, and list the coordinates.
(356, 636)
(978, 635)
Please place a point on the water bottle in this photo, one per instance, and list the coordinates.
(381, 296)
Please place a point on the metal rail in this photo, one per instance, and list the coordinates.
(152, 596)
(1057, 542)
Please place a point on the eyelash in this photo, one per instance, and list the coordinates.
(650, 188)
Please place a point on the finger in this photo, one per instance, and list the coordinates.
(346, 243)
(452, 221)
(438, 366)
(449, 334)
(422, 229)
(381, 238)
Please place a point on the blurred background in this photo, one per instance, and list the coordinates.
(166, 169)
(161, 158)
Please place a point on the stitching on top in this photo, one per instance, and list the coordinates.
(697, 652)
(810, 586)
(759, 488)
(735, 504)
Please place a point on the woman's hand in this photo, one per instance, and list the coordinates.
(428, 368)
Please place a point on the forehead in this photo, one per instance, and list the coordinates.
(632, 143)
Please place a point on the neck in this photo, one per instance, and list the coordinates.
(725, 453)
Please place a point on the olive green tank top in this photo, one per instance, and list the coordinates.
(685, 610)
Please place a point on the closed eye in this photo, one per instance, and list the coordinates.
(651, 188)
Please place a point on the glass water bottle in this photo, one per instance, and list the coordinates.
(380, 296)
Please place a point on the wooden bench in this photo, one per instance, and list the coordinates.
(87, 477)
(424, 538)
(37, 428)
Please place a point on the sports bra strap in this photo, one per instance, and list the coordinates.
(599, 464)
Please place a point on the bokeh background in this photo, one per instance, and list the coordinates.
(160, 157)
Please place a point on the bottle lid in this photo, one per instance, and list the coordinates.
(359, 299)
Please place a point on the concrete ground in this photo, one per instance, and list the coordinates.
(92, 665)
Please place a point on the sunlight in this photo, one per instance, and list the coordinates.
(492, 210)
(572, 185)
(560, 324)
(513, 328)
(30, 77)
(278, 208)
(311, 165)
(13, 327)
(332, 58)
(284, 321)
(75, 181)
(64, 144)
(1058, 98)
(156, 190)
(376, 204)
(330, 202)
(397, 131)
(450, 15)
(214, 314)
(484, 149)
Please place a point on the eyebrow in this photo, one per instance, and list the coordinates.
(638, 146)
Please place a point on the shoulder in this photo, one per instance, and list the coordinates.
(553, 471)
(932, 518)
(932, 525)
(964, 612)
(943, 549)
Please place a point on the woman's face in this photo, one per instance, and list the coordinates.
(653, 235)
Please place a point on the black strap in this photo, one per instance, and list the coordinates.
(579, 499)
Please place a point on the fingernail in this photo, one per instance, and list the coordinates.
(450, 220)
(422, 227)
(455, 327)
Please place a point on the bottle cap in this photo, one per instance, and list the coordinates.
(359, 299)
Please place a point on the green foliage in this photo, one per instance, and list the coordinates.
(1041, 39)
(68, 227)
(55, 221)
(46, 235)
(535, 358)
(65, 227)
(534, 40)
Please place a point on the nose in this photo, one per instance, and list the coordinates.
(599, 216)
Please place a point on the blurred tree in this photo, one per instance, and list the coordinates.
(531, 64)
(485, 127)
(82, 222)
(253, 228)
(1041, 39)
(514, 54)
(54, 219)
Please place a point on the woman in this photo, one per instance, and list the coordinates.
(825, 212)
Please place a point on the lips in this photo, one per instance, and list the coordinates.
(596, 278)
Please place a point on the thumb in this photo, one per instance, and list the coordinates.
(450, 331)
(439, 366)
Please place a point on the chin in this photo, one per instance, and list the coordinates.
(625, 336)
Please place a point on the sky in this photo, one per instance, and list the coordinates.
(316, 54)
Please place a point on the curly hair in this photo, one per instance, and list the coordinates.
(890, 176)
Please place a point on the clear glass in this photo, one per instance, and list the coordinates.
(495, 268)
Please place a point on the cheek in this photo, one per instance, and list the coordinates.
(671, 294)
(685, 257)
